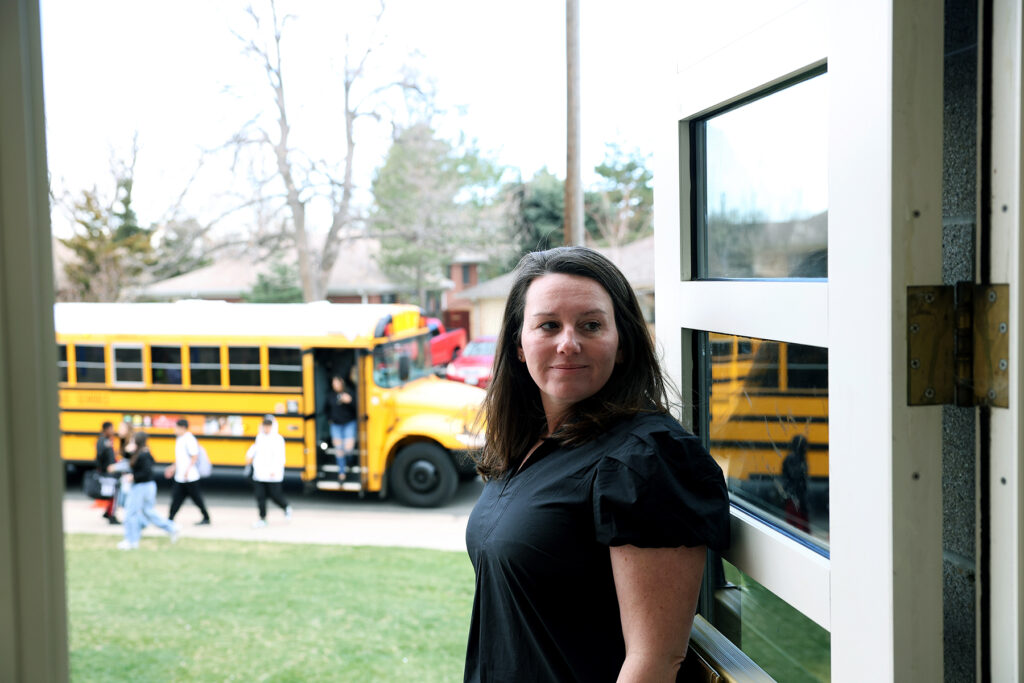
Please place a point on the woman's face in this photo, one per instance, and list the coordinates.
(569, 341)
(338, 384)
(122, 429)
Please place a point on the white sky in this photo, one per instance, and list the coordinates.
(174, 73)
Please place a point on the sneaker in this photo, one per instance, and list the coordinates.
(203, 522)
(259, 524)
(127, 545)
(288, 512)
(174, 534)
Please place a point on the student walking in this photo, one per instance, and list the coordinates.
(141, 502)
(185, 471)
(104, 459)
(267, 458)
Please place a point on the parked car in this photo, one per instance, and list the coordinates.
(445, 345)
(474, 365)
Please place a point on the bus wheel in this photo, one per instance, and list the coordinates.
(423, 475)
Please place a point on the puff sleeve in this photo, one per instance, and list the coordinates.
(660, 489)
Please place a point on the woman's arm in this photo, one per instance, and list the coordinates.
(657, 590)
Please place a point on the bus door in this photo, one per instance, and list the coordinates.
(328, 363)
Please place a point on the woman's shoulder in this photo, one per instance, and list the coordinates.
(643, 440)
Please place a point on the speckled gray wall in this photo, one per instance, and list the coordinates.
(959, 212)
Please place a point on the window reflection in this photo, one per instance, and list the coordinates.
(764, 205)
(768, 429)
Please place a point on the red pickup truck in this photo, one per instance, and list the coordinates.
(445, 345)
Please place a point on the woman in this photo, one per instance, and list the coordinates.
(589, 538)
(341, 412)
(126, 447)
(142, 498)
(267, 458)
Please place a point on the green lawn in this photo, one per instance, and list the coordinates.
(227, 610)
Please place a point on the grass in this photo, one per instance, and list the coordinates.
(241, 611)
(781, 640)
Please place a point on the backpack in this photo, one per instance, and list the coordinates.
(203, 465)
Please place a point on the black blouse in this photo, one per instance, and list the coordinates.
(545, 607)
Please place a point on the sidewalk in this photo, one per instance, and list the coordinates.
(327, 525)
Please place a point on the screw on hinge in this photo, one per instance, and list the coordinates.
(1003, 364)
(915, 363)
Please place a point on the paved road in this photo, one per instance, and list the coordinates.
(319, 517)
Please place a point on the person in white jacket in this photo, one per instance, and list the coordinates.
(266, 456)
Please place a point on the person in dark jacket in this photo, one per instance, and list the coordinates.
(104, 459)
(141, 503)
(341, 414)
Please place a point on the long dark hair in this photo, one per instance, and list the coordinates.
(512, 409)
(140, 445)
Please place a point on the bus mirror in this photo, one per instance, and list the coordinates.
(403, 367)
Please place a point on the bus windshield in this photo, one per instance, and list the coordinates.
(399, 362)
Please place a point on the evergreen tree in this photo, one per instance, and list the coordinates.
(111, 250)
(428, 199)
(279, 286)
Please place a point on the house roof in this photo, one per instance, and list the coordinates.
(635, 260)
(355, 273)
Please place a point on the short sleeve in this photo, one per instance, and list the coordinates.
(661, 490)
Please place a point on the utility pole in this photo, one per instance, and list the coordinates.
(573, 227)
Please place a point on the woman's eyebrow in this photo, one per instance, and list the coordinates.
(548, 314)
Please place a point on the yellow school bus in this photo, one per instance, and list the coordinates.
(223, 366)
(764, 394)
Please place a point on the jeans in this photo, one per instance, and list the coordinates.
(141, 511)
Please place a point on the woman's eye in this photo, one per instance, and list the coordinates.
(550, 325)
(592, 326)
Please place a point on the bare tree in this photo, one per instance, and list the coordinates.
(302, 178)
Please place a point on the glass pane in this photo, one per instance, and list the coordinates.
(62, 363)
(127, 364)
(244, 366)
(166, 364)
(90, 365)
(285, 367)
(765, 200)
(781, 640)
(205, 365)
(768, 429)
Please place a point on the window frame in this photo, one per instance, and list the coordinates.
(114, 347)
(883, 593)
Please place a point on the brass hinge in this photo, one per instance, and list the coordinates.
(958, 350)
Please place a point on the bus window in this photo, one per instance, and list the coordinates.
(244, 366)
(90, 365)
(285, 367)
(62, 362)
(166, 364)
(127, 364)
(396, 363)
(205, 365)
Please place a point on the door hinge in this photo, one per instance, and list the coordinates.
(958, 350)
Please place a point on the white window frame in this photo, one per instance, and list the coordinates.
(880, 591)
(114, 365)
(1006, 474)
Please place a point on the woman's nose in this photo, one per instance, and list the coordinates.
(567, 342)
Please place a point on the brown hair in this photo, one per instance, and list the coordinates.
(512, 409)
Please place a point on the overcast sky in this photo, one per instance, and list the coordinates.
(174, 73)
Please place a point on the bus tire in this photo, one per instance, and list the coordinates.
(423, 475)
